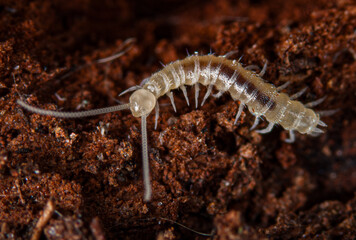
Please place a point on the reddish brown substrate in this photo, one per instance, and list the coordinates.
(207, 173)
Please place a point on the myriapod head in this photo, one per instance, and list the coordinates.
(142, 102)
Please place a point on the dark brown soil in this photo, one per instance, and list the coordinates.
(63, 179)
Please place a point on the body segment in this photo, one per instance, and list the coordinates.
(261, 98)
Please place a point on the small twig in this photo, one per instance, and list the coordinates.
(15, 86)
(127, 43)
(96, 229)
(17, 183)
(183, 226)
(43, 220)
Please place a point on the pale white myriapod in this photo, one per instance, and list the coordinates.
(243, 84)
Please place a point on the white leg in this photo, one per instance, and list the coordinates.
(298, 94)
(156, 115)
(315, 103)
(317, 131)
(256, 122)
(241, 107)
(252, 68)
(283, 86)
(184, 90)
(118, 101)
(229, 54)
(188, 54)
(219, 94)
(211, 52)
(266, 130)
(170, 95)
(207, 94)
(327, 113)
(263, 71)
(321, 123)
(291, 138)
(196, 94)
(144, 81)
(131, 89)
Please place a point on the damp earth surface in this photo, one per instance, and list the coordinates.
(82, 178)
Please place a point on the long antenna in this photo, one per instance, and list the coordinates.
(73, 114)
(146, 168)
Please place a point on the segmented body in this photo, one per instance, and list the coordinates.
(261, 98)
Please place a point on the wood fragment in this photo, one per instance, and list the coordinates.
(43, 220)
